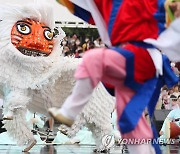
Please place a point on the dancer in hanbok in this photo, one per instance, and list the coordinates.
(134, 69)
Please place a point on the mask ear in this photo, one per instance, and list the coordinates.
(59, 33)
(56, 32)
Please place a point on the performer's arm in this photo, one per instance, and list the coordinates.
(172, 8)
(170, 116)
(175, 7)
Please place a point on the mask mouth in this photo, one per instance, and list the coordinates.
(32, 52)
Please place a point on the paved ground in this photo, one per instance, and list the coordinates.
(75, 149)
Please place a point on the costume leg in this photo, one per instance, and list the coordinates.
(30, 144)
(142, 130)
(109, 66)
(97, 65)
(15, 118)
(81, 93)
(16, 99)
(111, 69)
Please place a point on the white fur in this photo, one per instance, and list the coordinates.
(38, 83)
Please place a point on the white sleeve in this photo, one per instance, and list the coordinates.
(169, 41)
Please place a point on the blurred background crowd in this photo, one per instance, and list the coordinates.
(170, 96)
(77, 46)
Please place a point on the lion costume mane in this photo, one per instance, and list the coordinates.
(37, 83)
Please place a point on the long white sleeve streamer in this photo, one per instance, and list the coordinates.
(169, 41)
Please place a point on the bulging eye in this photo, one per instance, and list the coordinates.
(23, 28)
(48, 34)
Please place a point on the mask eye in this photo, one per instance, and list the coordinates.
(23, 28)
(48, 34)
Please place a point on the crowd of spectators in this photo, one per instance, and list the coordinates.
(76, 46)
(170, 96)
(170, 100)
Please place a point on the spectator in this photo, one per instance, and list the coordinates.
(85, 46)
(174, 96)
(175, 69)
(91, 45)
(74, 46)
(171, 125)
(66, 51)
(79, 52)
(97, 42)
(163, 101)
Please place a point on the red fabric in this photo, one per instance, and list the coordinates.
(109, 85)
(142, 60)
(135, 21)
(91, 21)
(105, 8)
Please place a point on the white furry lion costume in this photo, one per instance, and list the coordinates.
(38, 83)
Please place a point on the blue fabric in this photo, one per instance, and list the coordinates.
(151, 108)
(115, 7)
(147, 94)
(142, 44)
(136, 106)
(81, 13)
(160, 16)
(129, 81)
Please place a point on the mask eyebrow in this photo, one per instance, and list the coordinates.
(24, 22)
(46, 27)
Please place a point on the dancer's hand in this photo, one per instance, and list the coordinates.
(172, 11)
(175, 7)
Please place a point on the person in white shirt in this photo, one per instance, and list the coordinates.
(168, 130)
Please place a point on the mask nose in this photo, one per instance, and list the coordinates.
(36, 44)
(36, 40)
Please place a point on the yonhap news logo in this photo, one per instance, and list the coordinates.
(146, 141)
(108, 141)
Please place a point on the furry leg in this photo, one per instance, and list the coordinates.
(18, 128)
(30, 144)
(79, 123)
(9, 115)
(14, 100)
(99, 134)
